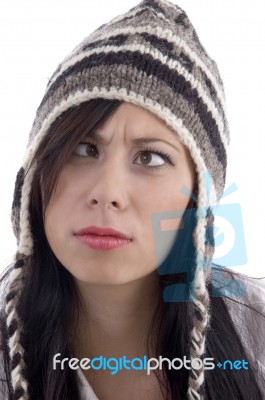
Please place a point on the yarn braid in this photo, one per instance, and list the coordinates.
(19, 382)
(204, 241)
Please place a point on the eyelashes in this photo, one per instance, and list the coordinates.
(158, 154)
(158, 158)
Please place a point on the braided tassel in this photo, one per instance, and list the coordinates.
(16, 351)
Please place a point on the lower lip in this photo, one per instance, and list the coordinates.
(102, 242)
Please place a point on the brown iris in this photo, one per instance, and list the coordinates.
(146, 157)
(90, 150)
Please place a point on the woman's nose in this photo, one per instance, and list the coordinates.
(108, 188)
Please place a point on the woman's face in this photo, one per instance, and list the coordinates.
(129, 169)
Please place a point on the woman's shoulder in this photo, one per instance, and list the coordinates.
(86, 391)
(244, 297)
(238, 287)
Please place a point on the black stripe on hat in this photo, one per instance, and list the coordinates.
(116, 40)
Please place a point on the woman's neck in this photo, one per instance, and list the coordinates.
(114, 319)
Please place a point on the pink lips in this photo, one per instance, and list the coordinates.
(102, 238)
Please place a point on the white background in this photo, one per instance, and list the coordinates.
(36, 35)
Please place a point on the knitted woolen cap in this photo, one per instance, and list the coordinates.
(150, 56)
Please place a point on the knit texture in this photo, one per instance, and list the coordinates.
(150, 56)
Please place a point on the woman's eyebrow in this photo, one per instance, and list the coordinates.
(142, 140)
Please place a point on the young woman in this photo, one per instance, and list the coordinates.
(113, 293)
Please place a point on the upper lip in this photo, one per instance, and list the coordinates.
(95, 230)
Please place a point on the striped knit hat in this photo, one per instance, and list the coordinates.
(150, 56)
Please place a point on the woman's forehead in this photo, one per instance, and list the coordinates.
(139, 125)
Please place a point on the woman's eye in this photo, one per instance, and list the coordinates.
(86, 150)
(151, 159)
(147, 158)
